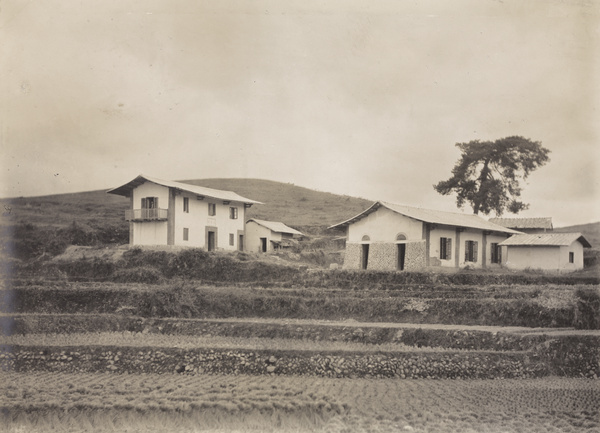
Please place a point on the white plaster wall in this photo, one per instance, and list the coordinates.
(150, 232)
(434, 246)
(384, 225)
(577, 249)
(149, 189)
(546, 258)
(254, 232)
(534, 257)
(197, 219)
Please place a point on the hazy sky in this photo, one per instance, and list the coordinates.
(365, 98)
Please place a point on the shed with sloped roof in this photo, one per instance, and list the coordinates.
(546, 251)
(264, 236)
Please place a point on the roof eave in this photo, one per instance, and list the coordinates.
(360, 216)
(125, 190)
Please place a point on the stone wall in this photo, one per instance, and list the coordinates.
(384, 256)
(414, 259)
(352, 256)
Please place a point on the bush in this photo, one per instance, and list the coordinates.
(140, 274)
(84, 269)
(587, 308)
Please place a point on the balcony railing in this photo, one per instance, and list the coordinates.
(146, 214)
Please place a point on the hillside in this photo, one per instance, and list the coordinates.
(590, 231)
(294, 205)
(291, 204)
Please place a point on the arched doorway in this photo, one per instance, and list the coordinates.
(401, 251)
(364, 259)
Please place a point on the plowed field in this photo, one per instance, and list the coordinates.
(42, 402)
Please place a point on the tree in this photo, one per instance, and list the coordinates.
(488, 174)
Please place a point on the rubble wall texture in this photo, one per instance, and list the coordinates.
(384, 256)
(352, 256)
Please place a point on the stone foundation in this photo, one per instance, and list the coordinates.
(384, 256)
(352, 256)
(414, 259)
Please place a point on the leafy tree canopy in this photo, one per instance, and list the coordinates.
(488, 173)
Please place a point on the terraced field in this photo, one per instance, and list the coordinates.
(81, 359)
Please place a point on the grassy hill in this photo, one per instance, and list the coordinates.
(95, 217)
(294, 205)
(590, 231)
(46, 225)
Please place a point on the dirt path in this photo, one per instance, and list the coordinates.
(351, 323)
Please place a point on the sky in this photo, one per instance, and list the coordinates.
(363, 98)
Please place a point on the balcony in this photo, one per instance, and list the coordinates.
(146, 214)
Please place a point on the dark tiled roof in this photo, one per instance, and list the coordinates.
(524, 223)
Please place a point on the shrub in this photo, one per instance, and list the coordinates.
(95, 269)
(587, 308)
(140, 274)
(136, 257)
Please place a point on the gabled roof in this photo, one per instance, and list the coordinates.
(432, 216)
(276, 226)
(524, 223)
(125, 190)
(546, 239)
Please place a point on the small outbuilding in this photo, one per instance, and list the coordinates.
(547, 251)
(265, 236)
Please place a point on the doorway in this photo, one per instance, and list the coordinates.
(263, 245)
(401, 256)
(241, 243)
(365, 256)
(211, 241)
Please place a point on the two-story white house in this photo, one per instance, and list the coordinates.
(173, 213)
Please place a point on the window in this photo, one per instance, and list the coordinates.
(212, 209)
(571, 257)
(445, 248)
(150, 203)
(186, 204)
(470, 251)
(496, 253)
(233, 213)
(186, 233)
(231, 239)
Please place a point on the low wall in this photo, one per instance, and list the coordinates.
(435, 365)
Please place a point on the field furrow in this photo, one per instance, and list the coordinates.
(551, 404)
